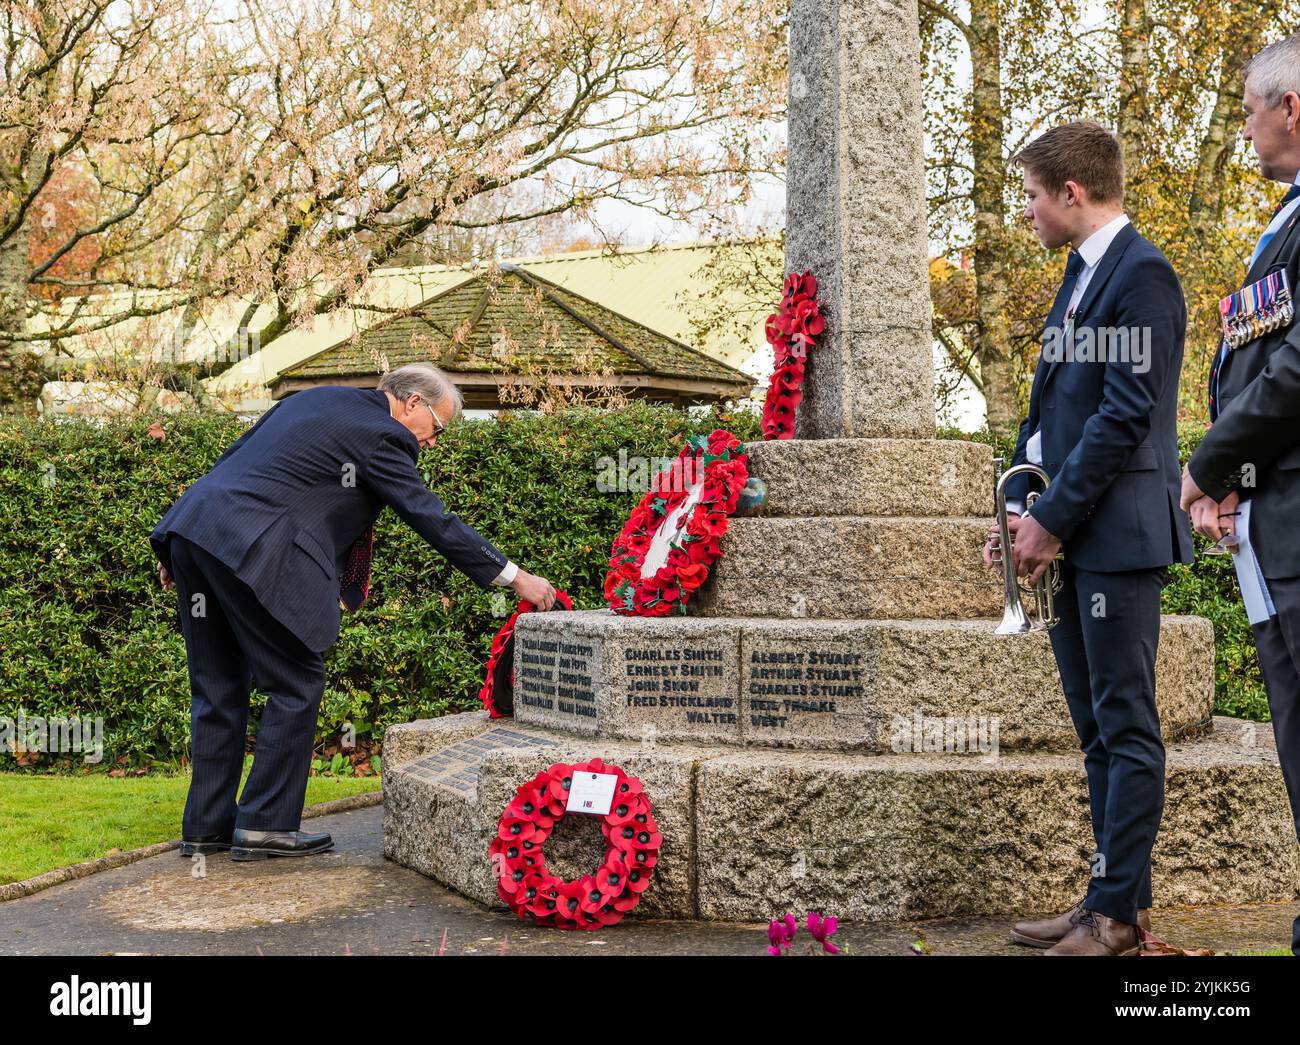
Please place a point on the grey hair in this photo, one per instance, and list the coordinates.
(1275, 71)
(424, 380)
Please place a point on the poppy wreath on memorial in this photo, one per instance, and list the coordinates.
(791, 332)
(632, 842)
(500, 665)
(719, 461)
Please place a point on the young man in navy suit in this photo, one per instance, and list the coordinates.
(1102, 425)
(260, 550)
(1247, 468)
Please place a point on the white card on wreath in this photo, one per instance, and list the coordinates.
(592, 793)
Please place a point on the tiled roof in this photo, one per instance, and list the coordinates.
(514, 321)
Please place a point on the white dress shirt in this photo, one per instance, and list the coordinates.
(1091, 250)
(507, 575)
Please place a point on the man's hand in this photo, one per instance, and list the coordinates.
(1191, 492)
(536, 590)
(1215, 520)
(165, 578)
(1033, 549)
(993, 544)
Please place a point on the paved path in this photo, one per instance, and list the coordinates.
(351, 900)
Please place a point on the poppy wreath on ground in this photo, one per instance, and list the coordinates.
(594, 900)
(498, 692)
(791, 332)
(715, 463)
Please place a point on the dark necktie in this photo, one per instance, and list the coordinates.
(354, 584)
(1292, 194)
(1073, 266)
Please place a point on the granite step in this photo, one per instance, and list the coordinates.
(749, 834)
(853, 567)
(831, 477)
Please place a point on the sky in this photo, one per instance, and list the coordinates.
(638, 226)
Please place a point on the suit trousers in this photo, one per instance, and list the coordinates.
(232, 644)
(1105, 646)
(1277, 641)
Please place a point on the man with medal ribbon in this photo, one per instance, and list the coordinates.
(1101, 424)
(1242, 485)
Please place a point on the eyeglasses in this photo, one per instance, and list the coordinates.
(438, 426)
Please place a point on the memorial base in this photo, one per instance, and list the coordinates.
(832, 729)
(750, 834)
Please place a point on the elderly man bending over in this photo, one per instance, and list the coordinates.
(261, 550)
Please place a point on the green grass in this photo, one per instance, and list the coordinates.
(53, 821)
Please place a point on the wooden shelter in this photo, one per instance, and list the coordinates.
(509, 328)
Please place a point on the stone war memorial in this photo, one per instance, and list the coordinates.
(834, 725)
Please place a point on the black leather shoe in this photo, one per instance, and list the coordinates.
(204, 844)
(258, 845)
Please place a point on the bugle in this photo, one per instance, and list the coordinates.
(1015, 618)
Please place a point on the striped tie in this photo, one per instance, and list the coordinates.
(1270, 232)
(1292, 193)
(354, 584)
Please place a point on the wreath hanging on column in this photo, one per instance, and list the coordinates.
(710, 471)
(791, 332)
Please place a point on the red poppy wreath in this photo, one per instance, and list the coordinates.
(498, 692)
(791, 332)
(594, 900)
(671, 539)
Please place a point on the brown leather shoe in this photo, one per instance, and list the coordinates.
(1047, 932)
(1096, 934)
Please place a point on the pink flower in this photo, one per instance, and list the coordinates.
(822, 929)
(781, 933)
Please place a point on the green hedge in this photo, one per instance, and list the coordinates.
(86, 630)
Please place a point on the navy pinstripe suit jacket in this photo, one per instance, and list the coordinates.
(286, 501)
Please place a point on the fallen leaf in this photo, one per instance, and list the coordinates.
(156, 431)
(1154, 947)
